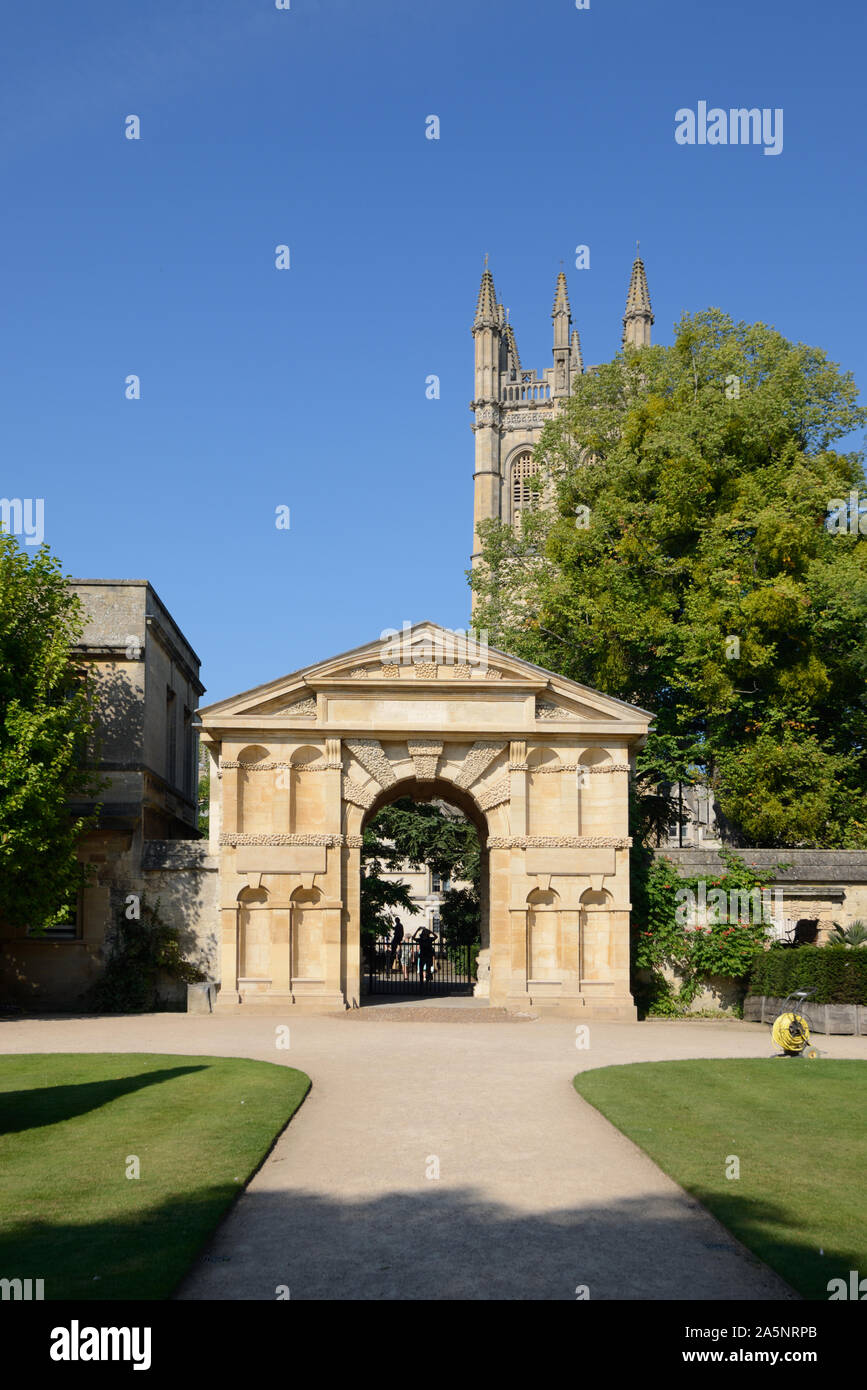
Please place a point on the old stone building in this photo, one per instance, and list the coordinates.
(146, 841)
(511, 403)
(539, 764)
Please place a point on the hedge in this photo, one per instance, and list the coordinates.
(838, 973)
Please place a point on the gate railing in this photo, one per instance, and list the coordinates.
(402, 968)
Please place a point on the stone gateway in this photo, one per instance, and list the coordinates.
(539, 764)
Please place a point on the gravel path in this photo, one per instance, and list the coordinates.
(446, 1161)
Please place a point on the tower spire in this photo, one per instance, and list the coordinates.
(561, 312)
(562, 316)
(638, 318)
(486, 306)
(576, 363)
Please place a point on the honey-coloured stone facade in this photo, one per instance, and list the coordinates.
(291, 795)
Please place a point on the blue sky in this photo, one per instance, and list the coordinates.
(306, 387)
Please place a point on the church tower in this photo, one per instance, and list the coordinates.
(512, 403)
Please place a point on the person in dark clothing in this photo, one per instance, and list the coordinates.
(425, 938)
(396, 939)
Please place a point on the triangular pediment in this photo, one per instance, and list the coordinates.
(430, 662)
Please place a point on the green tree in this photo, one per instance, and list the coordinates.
(47, 720)
(686, 564)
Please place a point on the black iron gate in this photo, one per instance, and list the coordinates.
(404, 968)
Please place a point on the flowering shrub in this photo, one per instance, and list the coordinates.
(695, 953)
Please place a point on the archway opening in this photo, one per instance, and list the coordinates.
(424, 891)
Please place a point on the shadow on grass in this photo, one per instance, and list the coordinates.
(142, 1255)
(51, 1105)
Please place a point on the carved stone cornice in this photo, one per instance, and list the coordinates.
(569, 767)
(281, 766)
(233, 838)
(559, 842)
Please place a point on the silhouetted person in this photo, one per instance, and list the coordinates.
(425, 938)
(396, 939)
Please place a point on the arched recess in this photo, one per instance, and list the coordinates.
(544, 946)
(439, 789)
(544, 788)
(248, 793)
(594, 791)
(307, 936)
(304, 790)
(596, 907)
(254, 935)
(595, 757)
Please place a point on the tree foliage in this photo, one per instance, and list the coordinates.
(685, 565)
(46, 722)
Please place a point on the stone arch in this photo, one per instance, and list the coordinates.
(519, 467)
(595, 757)
(252, 754)
(466, 734)
(544, 947)
(596, 906)
(543, 757)
(248, 799)
(254, 936)
(305, 755)
(594, 792)
(444, 789)
(544, 809)
(303, 789)
(307, 938)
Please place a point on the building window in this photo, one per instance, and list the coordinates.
(524, 497)
(171, 737)
(440, 884)
(190, 758)
(61, 931)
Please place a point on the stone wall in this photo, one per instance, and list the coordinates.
(182, 876)
(830, 885)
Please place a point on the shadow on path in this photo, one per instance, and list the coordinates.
(449, 1243)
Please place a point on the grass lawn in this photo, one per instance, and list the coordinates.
(70, 1215)
(798, 1128)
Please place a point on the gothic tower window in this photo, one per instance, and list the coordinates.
(524, 496)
